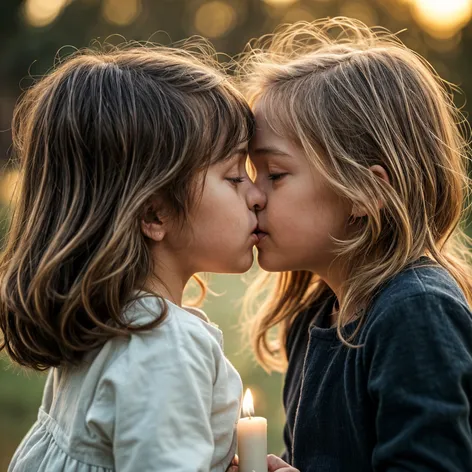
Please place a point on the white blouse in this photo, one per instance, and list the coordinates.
(165, 399)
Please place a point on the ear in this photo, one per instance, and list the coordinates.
(380, 173)
(152, 225)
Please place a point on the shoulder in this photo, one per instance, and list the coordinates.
(167, 365)
(420, 305)
(184, 323)
(181, 340)
(419, 281)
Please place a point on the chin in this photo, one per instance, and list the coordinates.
(270, 263)
(240, 265)
(245, 265)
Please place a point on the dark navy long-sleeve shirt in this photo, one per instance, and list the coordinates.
(402, 402)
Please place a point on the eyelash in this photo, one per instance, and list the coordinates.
(235, 180)
(276, 176)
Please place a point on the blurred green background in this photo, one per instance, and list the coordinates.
(32, 32)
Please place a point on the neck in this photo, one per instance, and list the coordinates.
(168, 278)
(334, 277)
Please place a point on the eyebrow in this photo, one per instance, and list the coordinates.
(237, 154)
(241, 150)
(270, 150)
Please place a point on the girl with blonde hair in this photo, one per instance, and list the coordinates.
(133, 179)
(362, 155)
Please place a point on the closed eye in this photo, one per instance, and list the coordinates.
(277, 176)
(235, 180)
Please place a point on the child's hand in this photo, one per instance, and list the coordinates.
(233, 467)
(277, 464)
(274, 463)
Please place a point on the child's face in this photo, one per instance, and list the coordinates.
(302, 213)
(220, 236)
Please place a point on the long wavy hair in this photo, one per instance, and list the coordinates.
(95, 140)
(362, 98)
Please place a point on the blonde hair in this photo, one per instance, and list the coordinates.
(96, 139)
(353, 97)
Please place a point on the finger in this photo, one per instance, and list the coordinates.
(235, 460)
(275, 463)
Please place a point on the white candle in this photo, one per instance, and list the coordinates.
(252, 439)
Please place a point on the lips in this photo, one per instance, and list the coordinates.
(259, 233)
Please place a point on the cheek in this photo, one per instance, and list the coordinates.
(291, 209)
(221, 220)
(304, 217)
(221, 238)
(222, 211)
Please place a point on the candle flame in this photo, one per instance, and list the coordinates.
(248, 404)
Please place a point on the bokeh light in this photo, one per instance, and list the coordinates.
(281, 3)
(442, 18)
(121, 12)
(214, 19)
(39, 13)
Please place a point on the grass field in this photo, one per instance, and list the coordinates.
(20, 392)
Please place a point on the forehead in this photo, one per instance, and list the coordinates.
(270, 137)
(264, 118)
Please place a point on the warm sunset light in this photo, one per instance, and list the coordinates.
(40, 13)
(442, 18)
(215, 18)
(298, 14)
(121, 12)
(248, 404)
(280, 2)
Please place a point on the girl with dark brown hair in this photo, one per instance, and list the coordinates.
(133, 179)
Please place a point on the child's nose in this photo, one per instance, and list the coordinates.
(257, 199)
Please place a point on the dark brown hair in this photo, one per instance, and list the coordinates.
(96, 139)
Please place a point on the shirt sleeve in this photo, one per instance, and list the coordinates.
(418, 359)
(161, 392)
